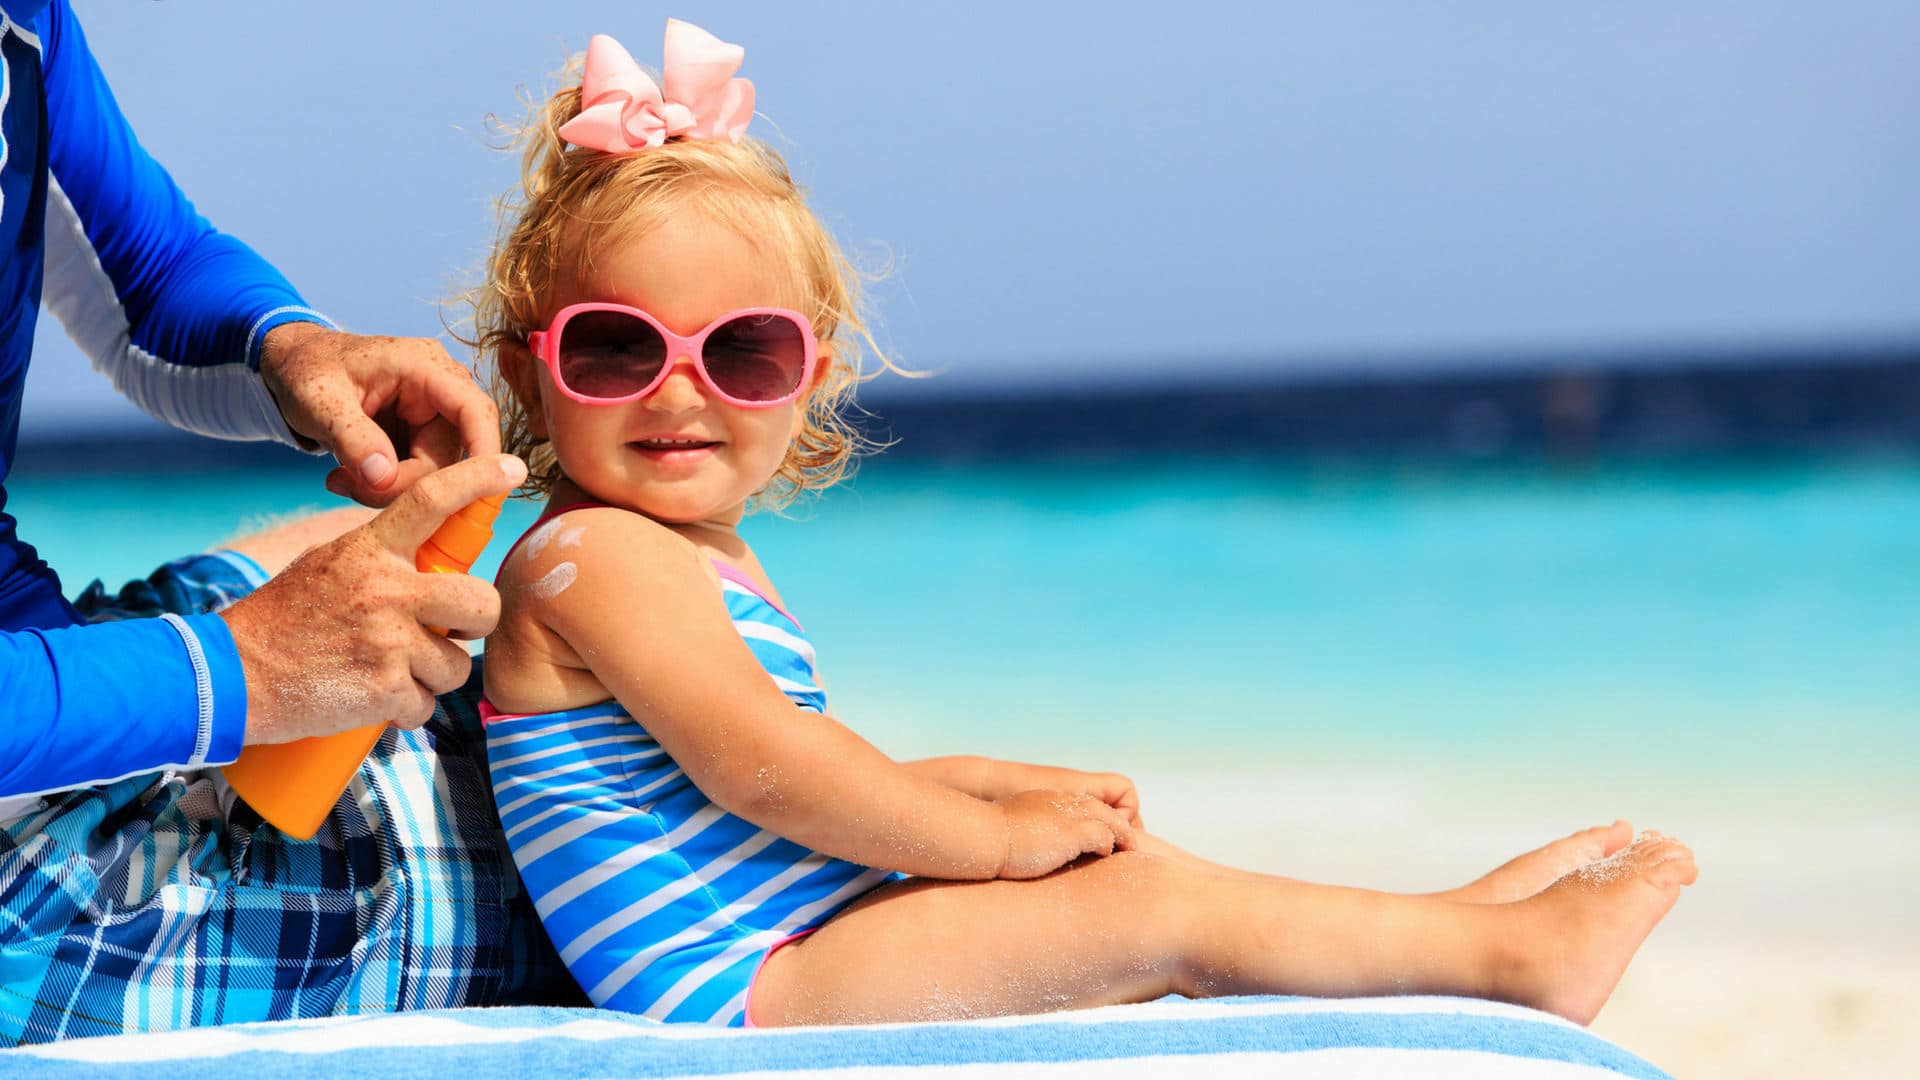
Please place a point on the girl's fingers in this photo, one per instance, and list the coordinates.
(1118, 833)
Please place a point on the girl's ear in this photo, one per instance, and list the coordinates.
(822, 364)
(517, 368)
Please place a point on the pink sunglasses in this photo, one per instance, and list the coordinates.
(610, 354)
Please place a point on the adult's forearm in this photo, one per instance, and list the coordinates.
(170, 308)
(92, 704)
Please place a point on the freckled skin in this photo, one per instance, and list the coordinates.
(335, 639)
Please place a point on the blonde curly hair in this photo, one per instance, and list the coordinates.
(572, 201)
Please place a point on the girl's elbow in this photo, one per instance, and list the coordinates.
(758, 795)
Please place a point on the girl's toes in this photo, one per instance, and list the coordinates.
(1665, 861)
(1615, 836)
(1600, 841)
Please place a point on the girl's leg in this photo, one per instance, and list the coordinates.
(281, 542)
(1134, 927)
(1516, 879)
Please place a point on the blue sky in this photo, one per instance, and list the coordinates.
(1123, 190)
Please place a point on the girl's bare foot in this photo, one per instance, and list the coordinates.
(1522, 877)
(1574, 940)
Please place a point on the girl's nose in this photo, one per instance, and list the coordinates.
(680, 390)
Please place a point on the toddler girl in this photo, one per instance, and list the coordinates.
(675, 332)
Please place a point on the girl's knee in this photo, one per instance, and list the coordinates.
(1153, 885)
(1159, 906)
(1142, 866)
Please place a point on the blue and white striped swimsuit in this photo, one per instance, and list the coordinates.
(660, 902)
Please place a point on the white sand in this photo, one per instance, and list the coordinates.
(1795, 955)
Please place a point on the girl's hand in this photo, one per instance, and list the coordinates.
(1046, 830)
(1004, 778)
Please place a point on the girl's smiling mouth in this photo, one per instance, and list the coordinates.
(677, 449)
(674, 443)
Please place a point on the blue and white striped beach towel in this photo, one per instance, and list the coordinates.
(1229, 1037)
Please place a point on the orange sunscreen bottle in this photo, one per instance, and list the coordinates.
(293, 785)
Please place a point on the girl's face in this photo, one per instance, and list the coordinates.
(686, 272)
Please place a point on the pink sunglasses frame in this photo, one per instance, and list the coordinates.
(545, 344)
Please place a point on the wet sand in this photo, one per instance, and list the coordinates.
(1796, 954)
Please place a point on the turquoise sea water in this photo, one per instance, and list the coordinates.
(1750, 626)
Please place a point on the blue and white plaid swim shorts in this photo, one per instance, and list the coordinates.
(137, 906)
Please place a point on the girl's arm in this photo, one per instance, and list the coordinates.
(642, 614)
(993, 780)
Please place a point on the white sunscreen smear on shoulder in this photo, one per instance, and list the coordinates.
(554, 582)
(541, 536)
(552, 533)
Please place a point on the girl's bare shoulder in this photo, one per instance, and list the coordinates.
(574, 586)
(596, 543)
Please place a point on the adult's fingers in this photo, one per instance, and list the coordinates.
(414, 516)
(420, 706)
(368, 464)
(456, 397)
(432, 446)
(340, 482)
(439, 665)
(464, 606)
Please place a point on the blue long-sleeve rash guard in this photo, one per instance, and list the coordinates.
(174, 312)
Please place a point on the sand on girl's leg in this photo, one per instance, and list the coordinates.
(1135, 926)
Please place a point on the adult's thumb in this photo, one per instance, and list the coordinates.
(367, 459)
(414, 516)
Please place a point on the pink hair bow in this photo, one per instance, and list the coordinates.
(622, 110)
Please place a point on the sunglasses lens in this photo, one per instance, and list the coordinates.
(609, 354)
(757, 357)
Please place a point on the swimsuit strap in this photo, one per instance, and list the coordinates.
(730, 572)
(550, 512)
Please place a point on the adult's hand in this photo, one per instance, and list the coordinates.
(358, 396)
(339, 638)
